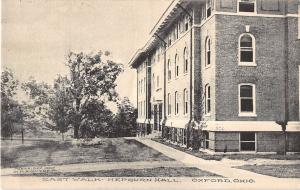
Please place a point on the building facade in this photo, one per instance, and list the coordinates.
(227, 67)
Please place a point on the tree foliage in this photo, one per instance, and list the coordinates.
(92, 78)
(60, 111)
(11, 111)
(125, 120)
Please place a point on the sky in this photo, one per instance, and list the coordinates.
(38, 34)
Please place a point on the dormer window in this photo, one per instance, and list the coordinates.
(247, 6)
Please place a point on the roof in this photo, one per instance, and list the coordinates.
(170, 14)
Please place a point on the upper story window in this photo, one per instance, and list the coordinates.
(248, 6)
(185, 100)
(185, 60)
(208, 8)
(208, 51)
(207, 99)
(176, 103)
(153, 81)
(186, 22)
(169, 70)
(176, 66)
(141, 85)
(247, 100)
(144, 84)
(158, 54)
(169, 40)
(169, 104)
(298, 20)
(247, 49)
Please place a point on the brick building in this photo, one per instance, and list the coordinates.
(227, 67)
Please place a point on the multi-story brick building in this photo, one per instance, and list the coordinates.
(229, 67)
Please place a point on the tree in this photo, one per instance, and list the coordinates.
(37, 107)
(60, 111)
(92, 78)
(11, 112)
(96, 121)
(125, 120)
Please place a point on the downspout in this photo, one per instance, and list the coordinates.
(165, 85)
(137, 97)
(148, 91)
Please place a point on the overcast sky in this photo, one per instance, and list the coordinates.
(38, 34)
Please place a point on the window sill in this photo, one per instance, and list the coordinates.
(207, 115)
(208, 66)
(247, 115)
(248, 64)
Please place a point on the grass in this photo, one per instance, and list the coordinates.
(49, 152)
(281, 171)
(237, 156)
(152, 172)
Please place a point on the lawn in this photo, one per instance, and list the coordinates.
(281, 171)
(50, 152)
(236, 156)
(150, 172)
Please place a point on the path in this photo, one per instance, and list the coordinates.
(218, 167)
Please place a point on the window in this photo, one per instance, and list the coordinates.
(186, 22)
(208, 51)
(246, 50)
(144, 84)
(153, 81)
(144, 108)
(206, 135)
(246, 6)
(298, 20)
(247, 100)
(169, 104)
(169, 40)
(141, 86)
(208, 8)
(207, 99)
(176, 103)
(176, 66)
(185, 60)
(185, 100)
(169, 70)
(247, 141)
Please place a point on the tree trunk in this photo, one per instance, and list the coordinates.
(22, 136)
(62, 136)
(77, 120)
(285, 143)
(76, 129)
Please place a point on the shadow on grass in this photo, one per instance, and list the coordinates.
(57, 153)
(152, 172)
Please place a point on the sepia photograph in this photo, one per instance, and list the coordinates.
(150, 94)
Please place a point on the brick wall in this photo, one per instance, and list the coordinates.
(293, 63)
(266, 141)
(268, 75)
(277, 7)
